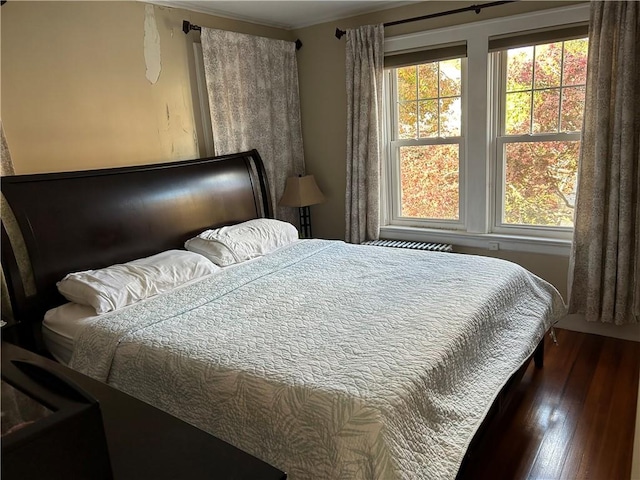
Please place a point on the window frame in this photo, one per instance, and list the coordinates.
(393, 144)
(498, 82)
(480, 170)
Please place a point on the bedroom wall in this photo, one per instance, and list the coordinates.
(75, 93)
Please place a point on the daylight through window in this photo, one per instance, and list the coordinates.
(483, 132)
(428, 139)
(543, 88)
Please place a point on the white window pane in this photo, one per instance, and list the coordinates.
(540, 183)
(429, 177)
(519, 69)
(545, 111)
(572, 109)
(450, 78)
(575, 62)
(548, 61)
(451, 117)
(406, 81)
(407, 123)
(518, 113)
(428, 114)
(428, 83)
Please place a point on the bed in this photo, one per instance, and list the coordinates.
(325, 359)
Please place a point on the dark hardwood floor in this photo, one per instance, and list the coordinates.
(572, 419)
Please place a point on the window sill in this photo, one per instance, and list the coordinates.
(488, 241)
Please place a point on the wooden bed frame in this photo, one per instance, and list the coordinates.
(91, 219)
(75, 221)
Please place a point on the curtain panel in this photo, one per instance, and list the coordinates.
(605, 255)
(10, 224)
(6, 168)
(6, 164)
(364, 61)
(252, 84)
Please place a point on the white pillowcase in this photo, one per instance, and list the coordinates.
(244, 241)
(119, 285)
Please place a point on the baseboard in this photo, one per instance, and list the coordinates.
(577, 323)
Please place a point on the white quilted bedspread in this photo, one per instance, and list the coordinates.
(329, 360)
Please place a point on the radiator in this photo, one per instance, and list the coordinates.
(431, 247)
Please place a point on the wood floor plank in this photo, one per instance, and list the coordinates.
(609, 440)
(561, 409)
(594, 412)
(553, 421)
(573, 419)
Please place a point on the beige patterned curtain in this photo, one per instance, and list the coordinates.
(254, 102)
(6, 165)
(605, 254)
(6, 168)
(365, 56)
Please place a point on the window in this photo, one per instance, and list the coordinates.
(542, 90)
(481, 145)
(427, 141)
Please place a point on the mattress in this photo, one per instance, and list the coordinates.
(331, 360)
(60, 328)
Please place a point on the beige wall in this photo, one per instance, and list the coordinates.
(321, 64)
(74, 90)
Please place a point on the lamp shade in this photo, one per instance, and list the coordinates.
(301, 192)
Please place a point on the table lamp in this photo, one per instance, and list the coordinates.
(302, 192)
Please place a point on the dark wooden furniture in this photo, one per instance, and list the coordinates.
(50, 429)
(9, 331)
(74, 221)
(144, 442)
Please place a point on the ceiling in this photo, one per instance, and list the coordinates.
(284, 14)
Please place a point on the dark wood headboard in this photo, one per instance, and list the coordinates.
(76, 221)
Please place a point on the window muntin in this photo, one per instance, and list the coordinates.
(542, 91)
(427, 142)
(429, 100)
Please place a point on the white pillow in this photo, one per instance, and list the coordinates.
(244, 241)
(116, 286)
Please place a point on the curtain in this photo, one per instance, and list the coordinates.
(365, 57)
(6, 168)
(254, 102)
(605, 255)
(6, 165)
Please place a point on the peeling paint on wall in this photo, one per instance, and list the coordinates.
(151, 45)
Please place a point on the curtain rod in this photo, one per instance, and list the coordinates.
(470, 8)
(188, 26)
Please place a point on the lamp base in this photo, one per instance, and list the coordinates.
(305, 222)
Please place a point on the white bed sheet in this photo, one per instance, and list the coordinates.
(60, 328)
(330, 360)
